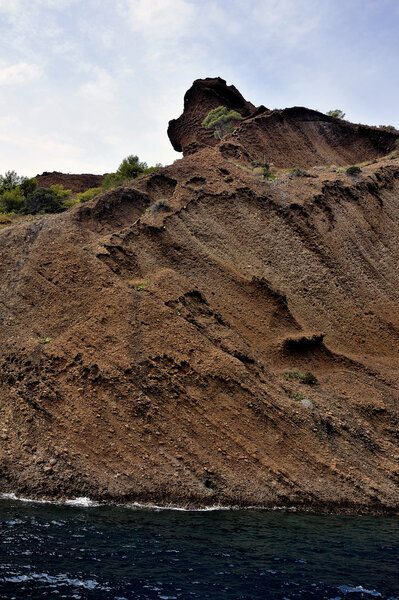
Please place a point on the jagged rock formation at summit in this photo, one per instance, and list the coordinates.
(293, 137)
(185, 133)
(151, 338)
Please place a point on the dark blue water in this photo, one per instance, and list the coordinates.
(53, 552)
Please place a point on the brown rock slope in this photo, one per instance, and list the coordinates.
(76, 183)
(144, 349)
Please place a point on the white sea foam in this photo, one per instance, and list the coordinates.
(63, 579)
(348, 589)
(22, 499)
(139, 505)
(84, 502)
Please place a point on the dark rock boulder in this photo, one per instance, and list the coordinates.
(186, 133)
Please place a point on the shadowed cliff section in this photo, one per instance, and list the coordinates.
(158, 342)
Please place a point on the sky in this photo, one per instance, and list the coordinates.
(85, 83)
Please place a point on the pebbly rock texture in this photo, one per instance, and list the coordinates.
(154, 341)
(76, 183)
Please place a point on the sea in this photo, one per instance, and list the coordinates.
(80, 550)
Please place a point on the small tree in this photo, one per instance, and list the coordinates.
(131, 167)
(337, 113)
(10, 180)
(221, 120)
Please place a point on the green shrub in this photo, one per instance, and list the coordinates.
(353, 170)
(44, 200)
(297, 172)
(12, 200)
(28, 186)
(73, 201)
(307, 377)
(62, 194)
(13, 192)
(89, 194)
(221, 119)
(267, 172)
(111, 181)
(131, 167)
(337, 113)
(387, 128)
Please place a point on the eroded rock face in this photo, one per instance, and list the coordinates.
(205, 336)
(186, 133)
(293, 137)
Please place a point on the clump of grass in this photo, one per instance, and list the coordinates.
(298, 396)
(268, 173)
(159, 205)
(245, 168)
(5, 220)
(140, 285)
(297, 172)
(308, 377)
(45, 340)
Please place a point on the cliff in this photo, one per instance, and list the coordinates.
(154, 341)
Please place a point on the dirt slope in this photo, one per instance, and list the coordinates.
(144, 349)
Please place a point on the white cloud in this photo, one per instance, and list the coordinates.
(288, 21)
(100, 89)
(19, 73)
(160, 18)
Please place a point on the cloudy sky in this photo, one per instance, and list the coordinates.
(84, 83)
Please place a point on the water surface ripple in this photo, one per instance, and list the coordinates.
(51, 552)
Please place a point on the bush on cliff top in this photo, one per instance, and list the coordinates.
(130, 168)
(221, 119)
(337, 113)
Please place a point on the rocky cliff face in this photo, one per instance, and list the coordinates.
(185, 133)
(154, 340)
(294, 137)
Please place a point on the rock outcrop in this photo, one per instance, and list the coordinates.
(76, 183)
(293, 137)
(185, 133)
